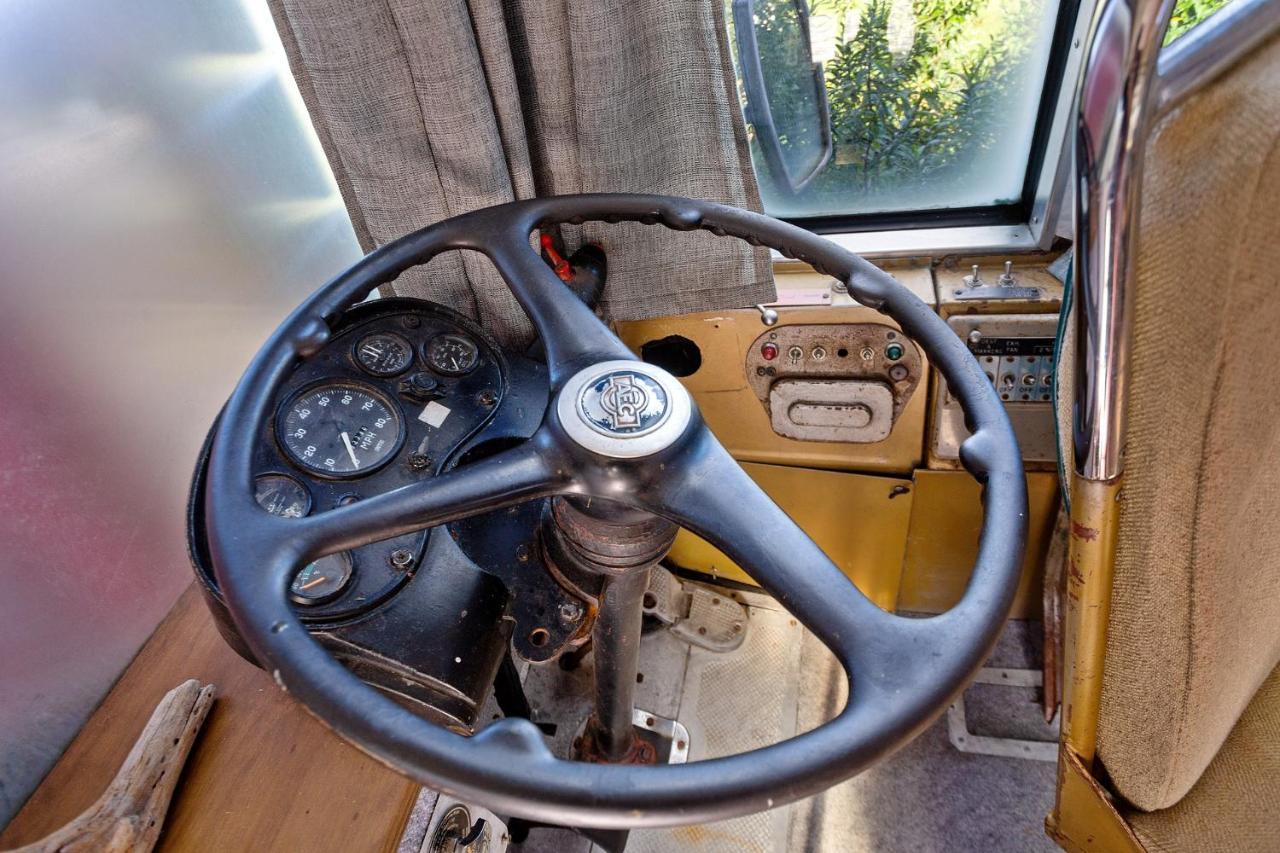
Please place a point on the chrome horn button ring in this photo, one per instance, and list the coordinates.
(624, 409)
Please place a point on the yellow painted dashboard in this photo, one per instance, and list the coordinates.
(896, 513)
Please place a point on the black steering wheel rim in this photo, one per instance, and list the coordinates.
(902, 671)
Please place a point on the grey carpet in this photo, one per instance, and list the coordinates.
(928, 796)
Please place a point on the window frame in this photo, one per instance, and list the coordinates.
(1026, 226)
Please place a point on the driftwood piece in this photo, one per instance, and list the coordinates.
(127, 818)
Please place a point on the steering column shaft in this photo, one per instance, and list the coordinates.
(619, 545)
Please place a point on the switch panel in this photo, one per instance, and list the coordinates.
(844, 382)
(1017, 353)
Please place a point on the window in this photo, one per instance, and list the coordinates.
(926, 113)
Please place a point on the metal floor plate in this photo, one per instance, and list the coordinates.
(734, 702)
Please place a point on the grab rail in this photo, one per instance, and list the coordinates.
(1113, 115)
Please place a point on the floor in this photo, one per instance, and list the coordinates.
(929, 796)
(926, 797)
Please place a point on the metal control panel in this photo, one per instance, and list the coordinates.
(1017, 353)
(837, 382)
(1021, 368)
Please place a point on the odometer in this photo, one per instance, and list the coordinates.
(339, 429)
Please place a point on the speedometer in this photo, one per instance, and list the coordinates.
(340, 429)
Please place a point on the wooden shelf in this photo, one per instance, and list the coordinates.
(264, 774)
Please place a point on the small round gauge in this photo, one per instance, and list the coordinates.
(323, 579)
(340, 429)
(281, 495)
(384, 354)
(452, 355)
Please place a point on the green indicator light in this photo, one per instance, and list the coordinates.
(893, 351)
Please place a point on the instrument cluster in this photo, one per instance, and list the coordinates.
(403, 390)
(398, 389)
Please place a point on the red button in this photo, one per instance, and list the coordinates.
(769, 351)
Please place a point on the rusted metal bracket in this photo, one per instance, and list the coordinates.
(1055, 562)
(699, 615)
(1085, 819)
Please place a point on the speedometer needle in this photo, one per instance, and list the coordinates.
(346, 439)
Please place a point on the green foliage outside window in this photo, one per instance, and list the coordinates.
(913, 88)
(1188, 13)
(909, 107)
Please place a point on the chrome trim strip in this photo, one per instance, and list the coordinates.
(973, 239)
(1196, 59)
(1113, 116)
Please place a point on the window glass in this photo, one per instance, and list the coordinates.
(933, 103)
(1187, 15)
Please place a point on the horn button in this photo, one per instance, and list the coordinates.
(624, 409)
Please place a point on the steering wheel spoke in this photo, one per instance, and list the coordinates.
(572, 334)
(711, 495)
(522, 473)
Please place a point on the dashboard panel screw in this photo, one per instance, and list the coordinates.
(401, 558)
(419, 461)
(570, 612)
(487, 398)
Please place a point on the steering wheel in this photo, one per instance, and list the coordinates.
(902, 671)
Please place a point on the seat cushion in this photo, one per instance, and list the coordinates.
(1235, 807)
(1195, 622)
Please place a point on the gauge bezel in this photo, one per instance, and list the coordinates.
(303, 601)
(475, 348)
(382, 333)
(394, 408)
(311, 500)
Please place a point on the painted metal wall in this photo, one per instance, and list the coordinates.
(163, 204)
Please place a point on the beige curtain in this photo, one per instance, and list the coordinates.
(430, 108)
